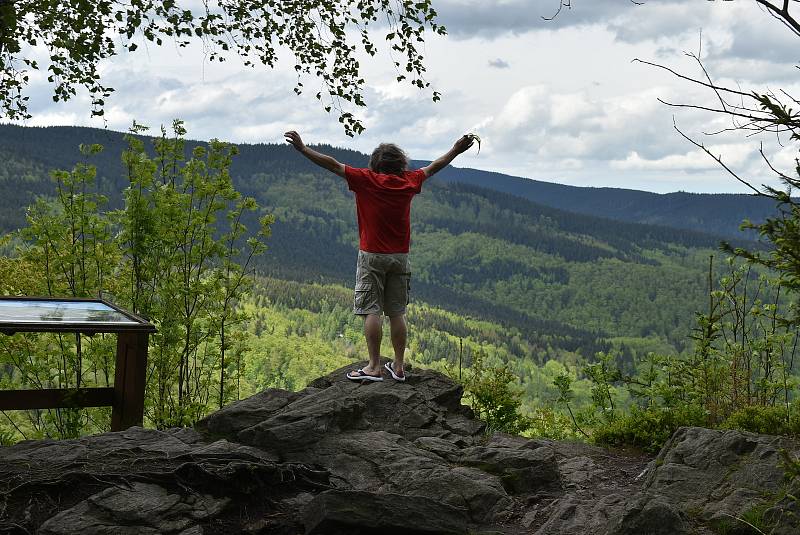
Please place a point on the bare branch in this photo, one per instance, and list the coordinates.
(690, 79)
(708, 77)
(561, 5)
(787, 95)
(782, 14)
(752, 118)
(80, 36)
(766, 160)
(568, 4)
(718, 159)
(789, 181)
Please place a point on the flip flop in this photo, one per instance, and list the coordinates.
(390, 366)
(363, 376)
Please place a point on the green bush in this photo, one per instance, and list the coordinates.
(495, 397)
(547, 422)
(6, 437)
(648, 429)
(758, 419)
(794, 418)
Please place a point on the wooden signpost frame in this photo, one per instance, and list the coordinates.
(126, 397)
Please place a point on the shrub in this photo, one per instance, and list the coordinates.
(648, 429)
(758, 419)
(6, 437)
(547, 422)
(495, 397)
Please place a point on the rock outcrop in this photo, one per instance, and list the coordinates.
(722, 480)
(405, 458)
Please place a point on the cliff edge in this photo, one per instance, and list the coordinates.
(388, 458)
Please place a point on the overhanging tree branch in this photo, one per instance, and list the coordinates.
(78, 35)
(782, 14)
(718, 159)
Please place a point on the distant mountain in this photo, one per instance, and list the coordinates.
(715, 213)
(571, 282)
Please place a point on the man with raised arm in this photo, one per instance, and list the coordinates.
(383, 195)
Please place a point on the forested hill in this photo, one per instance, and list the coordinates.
(575, 283)
(718, 214)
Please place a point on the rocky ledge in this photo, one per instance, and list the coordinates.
(389, 458)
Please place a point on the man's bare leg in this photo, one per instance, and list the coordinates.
(399, 332)
(373, 332)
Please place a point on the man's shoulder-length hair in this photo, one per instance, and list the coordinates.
(388, 158)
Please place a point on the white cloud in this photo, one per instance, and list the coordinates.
(785, 159)
(581, 124)
(732, 154)
(54, 118)
(571, 107)
(466, 19)
(656, 20)
(566, 110)
(524, 110)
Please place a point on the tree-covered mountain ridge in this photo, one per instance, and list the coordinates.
(580, 280)
(718, 213)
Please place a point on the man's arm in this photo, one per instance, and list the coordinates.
(463, 143)
(322, 160)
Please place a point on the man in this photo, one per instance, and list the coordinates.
(383, 203)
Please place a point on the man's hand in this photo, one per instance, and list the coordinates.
(293, 138)
(463, 143)
(322, 160)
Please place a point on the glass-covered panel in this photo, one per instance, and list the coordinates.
(34, 311)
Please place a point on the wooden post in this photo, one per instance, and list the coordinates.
(129, 380)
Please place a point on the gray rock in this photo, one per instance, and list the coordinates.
(481, 494)
(364, 434)
(463, 425)
(596, 486)
(364, 513)
(305, 422)
(652, 517)
(135, 441)
(715, 474)
(186, 435)
(782, 516)
(245, 413)
(428, 404)
(583, 512)
(580, 472)
(361, 458)
(385, 462)
(440, 446)
(521, 470)
(142, 508)
(138, 481)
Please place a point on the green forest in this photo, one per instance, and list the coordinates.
(558, 324)
(30, 152)
(576, 280)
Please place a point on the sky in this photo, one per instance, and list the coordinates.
(559, 101)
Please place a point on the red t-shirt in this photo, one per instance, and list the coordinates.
(383, 203)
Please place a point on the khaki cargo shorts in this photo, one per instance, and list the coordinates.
(383, 282)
